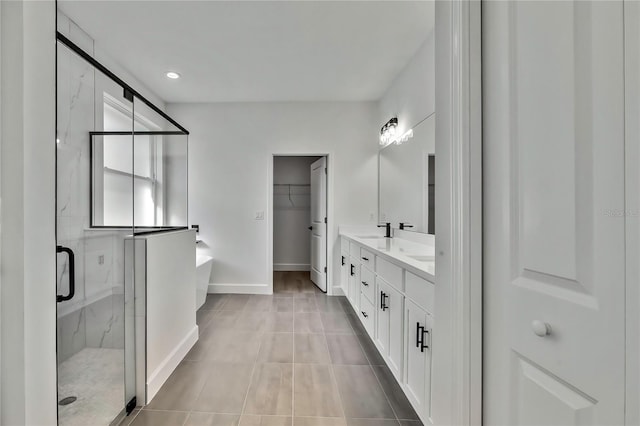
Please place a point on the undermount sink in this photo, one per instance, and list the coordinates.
(421, 258)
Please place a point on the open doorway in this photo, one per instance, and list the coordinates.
(300, 219)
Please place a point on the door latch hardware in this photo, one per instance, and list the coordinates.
(72, 274)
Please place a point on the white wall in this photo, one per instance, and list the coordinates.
(411, 96)
(28, 309)
(230, 155)
(291, 217)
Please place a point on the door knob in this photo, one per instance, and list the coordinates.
(541, 328)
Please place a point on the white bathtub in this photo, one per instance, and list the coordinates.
(203, 272)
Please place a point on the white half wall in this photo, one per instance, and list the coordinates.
(170, 283)
(231, 150)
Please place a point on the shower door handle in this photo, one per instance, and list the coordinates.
(72, 274)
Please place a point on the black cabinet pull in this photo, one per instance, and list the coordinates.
(422, 345)
(364, 314)
(343, 260)
(420, 337)
(383, 297)
(72, 274)
(353, 272)
(366, 284)
(365, 258)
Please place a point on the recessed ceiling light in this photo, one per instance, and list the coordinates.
(173, 75)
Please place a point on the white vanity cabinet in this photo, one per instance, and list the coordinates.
(395, 306)
(366, 312)
(354, 282)
(390, 326)
(417, 382)
(367, 291)
(344, 267)
(367, 284)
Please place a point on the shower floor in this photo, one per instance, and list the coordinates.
(96, 377)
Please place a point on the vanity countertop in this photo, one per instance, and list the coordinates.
(415, 257)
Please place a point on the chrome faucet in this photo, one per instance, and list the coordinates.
(387, 225)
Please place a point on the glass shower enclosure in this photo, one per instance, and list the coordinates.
(121, 170)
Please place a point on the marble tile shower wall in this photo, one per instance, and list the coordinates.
(94, 317)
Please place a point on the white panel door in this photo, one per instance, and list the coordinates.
(354, 283)
(418, 361)
(554, 283)
(632, 201)
(390, 326)
(382, 319)
(344, 272)
(319, 223)
(394, 303)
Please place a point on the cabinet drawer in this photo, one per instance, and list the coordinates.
(366, 314)
(421, 291)
(354, 250)
(390, 273)
(367, 258)
(367, 283)
(344, 245)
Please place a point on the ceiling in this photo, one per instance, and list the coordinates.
(256, 51)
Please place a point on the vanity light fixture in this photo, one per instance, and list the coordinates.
(405, 137)
(173, 75)
(388, 131)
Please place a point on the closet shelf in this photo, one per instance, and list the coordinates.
(292, 196)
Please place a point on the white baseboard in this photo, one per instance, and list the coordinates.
(291, 267)
(240, 288)
(337, 291)
(161, 374)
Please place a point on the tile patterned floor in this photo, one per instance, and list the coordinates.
(297, 358)
(96, 377)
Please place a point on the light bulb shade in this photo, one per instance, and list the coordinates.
(405, 137)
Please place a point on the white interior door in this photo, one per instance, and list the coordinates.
(554, 286)
(319, 223)
(632, 201)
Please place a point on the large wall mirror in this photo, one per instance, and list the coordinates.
(407, 185)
